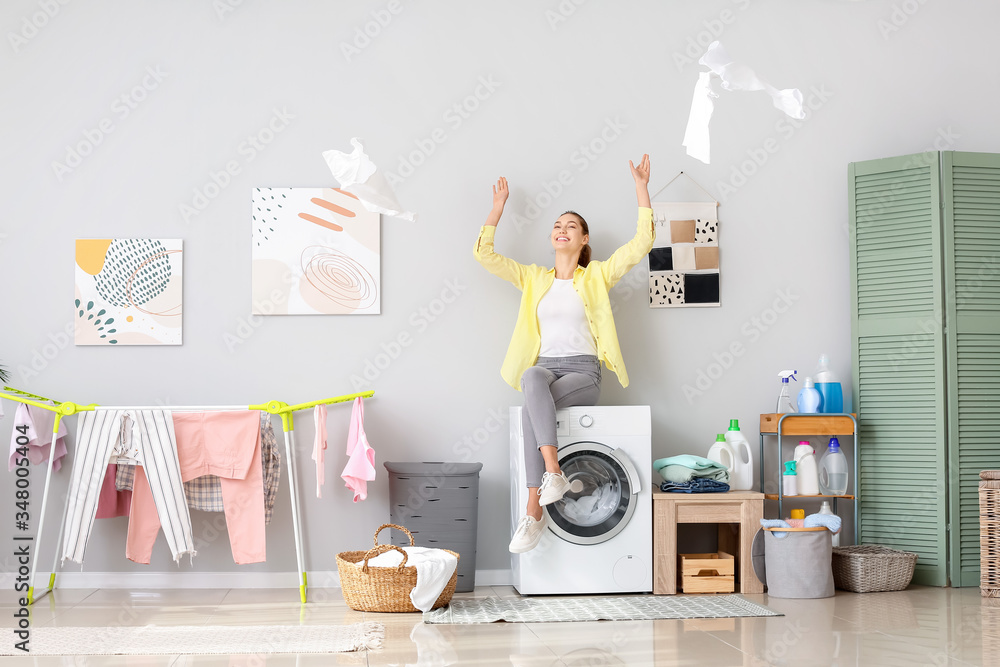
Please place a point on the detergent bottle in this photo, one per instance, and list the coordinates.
(809, 398)
(825, 509)
(833, 470)
(785, 398)
(741, 474)
(806, 473)
(830, 391)
(722, 453)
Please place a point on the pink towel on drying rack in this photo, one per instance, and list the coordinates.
(360, 467)
(319, 447)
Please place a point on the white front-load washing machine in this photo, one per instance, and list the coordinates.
(600, 539)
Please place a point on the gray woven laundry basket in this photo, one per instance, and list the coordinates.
(871, 568)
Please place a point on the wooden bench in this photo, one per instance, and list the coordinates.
(745, 508)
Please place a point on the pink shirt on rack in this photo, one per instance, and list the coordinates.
(360, 467)
(36, 424)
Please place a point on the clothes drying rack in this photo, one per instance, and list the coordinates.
(65, 409)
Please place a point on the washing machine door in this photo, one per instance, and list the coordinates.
(608, 486)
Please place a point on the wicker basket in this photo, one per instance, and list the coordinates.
(870, 568)
(989, 533)
(383, 589)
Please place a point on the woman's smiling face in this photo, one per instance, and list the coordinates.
(567, 233)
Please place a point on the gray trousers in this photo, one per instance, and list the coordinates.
(552, 383)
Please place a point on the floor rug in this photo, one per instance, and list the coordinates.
(197, 639)
(635, 608)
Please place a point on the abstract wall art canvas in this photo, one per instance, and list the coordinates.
(128, 292)
(315, 251)
(684, 261)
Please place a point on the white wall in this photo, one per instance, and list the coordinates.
(884, 77)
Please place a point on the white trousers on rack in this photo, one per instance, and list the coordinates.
(147, 436)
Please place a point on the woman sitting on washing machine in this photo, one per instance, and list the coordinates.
(564, 329)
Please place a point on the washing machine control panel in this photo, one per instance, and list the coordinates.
(586, 421)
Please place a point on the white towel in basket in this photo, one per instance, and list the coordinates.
(434, 570)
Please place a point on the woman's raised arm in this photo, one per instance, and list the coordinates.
(494, 262)
(500, 193)
(630, 254)
(641, 176)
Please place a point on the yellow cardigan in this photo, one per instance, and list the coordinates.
(591, 283)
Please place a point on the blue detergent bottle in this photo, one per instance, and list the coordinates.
(809, 398)
(830, 391)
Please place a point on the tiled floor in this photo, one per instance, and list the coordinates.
(919, 626)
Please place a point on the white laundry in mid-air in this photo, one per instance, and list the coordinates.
(358, 175)
(734, 76)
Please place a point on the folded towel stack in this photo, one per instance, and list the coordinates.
(696, 485)
(684, 468)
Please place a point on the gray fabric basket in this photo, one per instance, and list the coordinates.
(439, 503)
(799, 565)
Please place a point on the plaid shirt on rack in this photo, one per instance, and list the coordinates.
(205, 493)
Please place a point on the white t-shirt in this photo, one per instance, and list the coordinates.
(562, 322)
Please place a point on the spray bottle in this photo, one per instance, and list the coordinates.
(785, 397)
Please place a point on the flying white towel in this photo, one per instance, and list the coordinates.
(734, 76)
(434, 570)
(357, 174)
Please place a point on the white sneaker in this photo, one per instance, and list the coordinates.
(529, 532)
(554, 486)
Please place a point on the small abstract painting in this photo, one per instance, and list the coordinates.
(315, 252)
(128, 292)
(684, 261)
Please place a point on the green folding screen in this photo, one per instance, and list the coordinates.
(971, 187)
(925, 271)
(896, 275)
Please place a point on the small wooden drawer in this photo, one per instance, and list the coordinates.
(707, 573)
